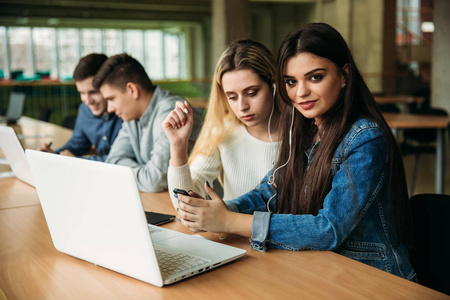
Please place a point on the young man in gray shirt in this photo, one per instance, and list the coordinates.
(141, 143)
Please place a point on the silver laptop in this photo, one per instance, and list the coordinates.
(94, 212)
(15, 108)
(14, 153)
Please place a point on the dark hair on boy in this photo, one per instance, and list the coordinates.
(88, 66)
(120, 69)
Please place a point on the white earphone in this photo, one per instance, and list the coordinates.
(271, 112)
(272, 177)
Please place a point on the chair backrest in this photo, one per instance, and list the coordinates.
(69, 121)
(430, 256)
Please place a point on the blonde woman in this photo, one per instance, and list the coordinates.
(240, 136)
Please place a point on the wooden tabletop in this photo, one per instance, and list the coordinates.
(396, 99)
(34, 133)
(406, 120)
(31, 268)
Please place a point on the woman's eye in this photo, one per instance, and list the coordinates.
(290, 82)
(252, 93)
(316, 77)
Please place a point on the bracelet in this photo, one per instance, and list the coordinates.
(220, 237)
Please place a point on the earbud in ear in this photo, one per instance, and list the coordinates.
(274, 89)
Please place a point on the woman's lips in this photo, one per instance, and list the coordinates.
(307, 104)
(247, 117)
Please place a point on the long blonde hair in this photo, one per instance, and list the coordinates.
(220, 119)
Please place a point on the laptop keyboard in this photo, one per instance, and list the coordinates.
(172, 263)
(153, 229)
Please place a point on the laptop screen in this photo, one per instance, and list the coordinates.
(15, 106)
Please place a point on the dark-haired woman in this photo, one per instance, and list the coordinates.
(339, 183)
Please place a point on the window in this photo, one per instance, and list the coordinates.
(154, 54)
(44, 51)
(55, 52)
(91, 41)
(3, 61)
(19, 43)
(113, 41)
(134, 44)
(172, 59)
(68, 43)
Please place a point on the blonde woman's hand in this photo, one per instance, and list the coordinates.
(178, 124)
(204, 215)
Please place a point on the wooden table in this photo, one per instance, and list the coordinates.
(31, 268)
(410, 121)
(398, 99)
(32, 134)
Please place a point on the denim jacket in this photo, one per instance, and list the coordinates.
(355, 220)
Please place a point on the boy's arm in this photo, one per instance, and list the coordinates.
(121, 152)
(150, 168)
(79, 143)
(152, 176)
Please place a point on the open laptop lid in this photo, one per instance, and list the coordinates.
(15, 107)
(14, 153)
(94, 212)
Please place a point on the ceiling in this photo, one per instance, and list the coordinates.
(57, 12)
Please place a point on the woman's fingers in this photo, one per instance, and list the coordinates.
(182, 110)
(178, 116)
(194, 194)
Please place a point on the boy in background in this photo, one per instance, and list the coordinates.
(94, 126)
(142, 143)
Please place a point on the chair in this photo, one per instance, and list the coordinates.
(418, 141)
(45, 113)
(430, 255)
(69, 121)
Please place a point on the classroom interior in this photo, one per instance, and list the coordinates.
(401, 47)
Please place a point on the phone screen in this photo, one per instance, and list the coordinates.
(155, 218)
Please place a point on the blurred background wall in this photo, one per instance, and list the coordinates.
(400, 46)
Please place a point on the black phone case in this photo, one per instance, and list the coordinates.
(155, 218)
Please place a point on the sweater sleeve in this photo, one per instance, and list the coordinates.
(203, 168)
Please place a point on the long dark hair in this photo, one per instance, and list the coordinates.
(354, 100)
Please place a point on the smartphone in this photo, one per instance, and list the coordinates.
(180, 191)
(155, 218)
(183, 192)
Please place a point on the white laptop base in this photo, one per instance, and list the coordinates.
(94, 212)
(13, 151)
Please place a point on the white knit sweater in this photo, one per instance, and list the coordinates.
(245, 161)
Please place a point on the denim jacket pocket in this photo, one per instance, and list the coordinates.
(372, 254)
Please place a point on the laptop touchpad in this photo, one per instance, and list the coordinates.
(182, 243)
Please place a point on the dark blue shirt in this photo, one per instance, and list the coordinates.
(90, 130)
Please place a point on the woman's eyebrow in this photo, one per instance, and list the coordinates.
(314, 70)
(307, 73)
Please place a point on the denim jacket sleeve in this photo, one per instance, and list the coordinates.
(358, 170)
